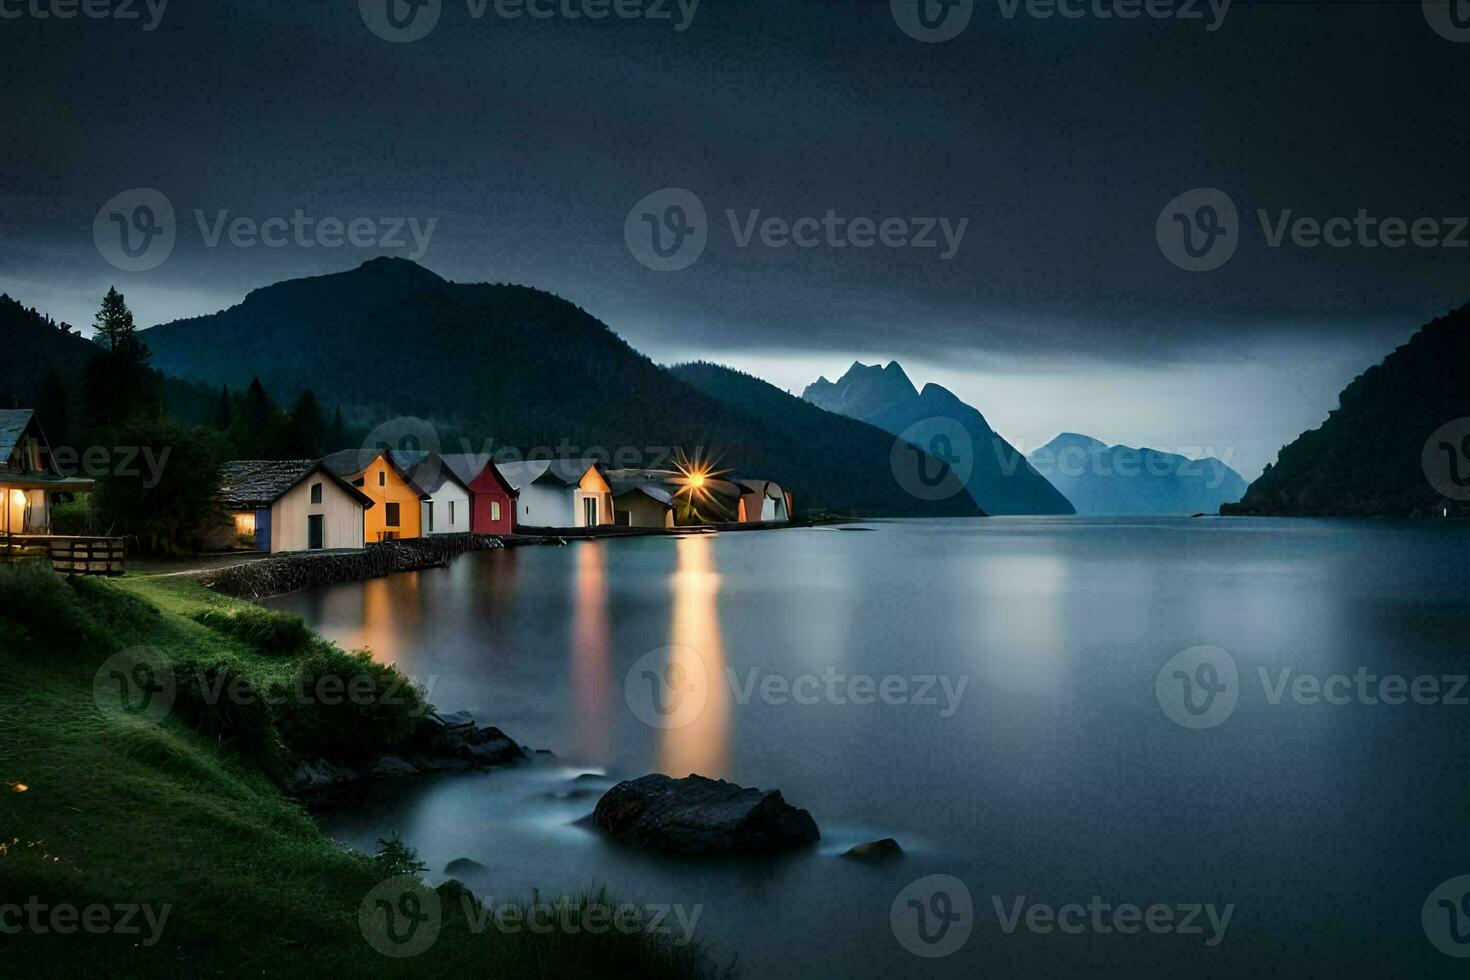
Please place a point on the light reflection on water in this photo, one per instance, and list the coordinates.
(1057, 778)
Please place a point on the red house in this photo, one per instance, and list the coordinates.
(492, 500)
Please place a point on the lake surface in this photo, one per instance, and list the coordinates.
(1055, 775)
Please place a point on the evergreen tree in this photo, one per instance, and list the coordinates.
(306, 432)
(114, 329)
(117, 384)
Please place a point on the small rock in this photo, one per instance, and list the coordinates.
(490, 747)
(455, 719)
(875, 851)
(589, 777)
(701, 816)
(318, 774)
(392, 765)
(461, 865)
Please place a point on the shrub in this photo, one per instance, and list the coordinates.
(226, 706)
(344, 706)
(265, 629)
(71, 518)
(394, 857)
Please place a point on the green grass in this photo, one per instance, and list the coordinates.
(119, 809)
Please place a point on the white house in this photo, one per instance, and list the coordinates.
(292, 505)
(559, 493)
(448, 507)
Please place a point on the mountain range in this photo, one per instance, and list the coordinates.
(522, 368)
(1118, 480)
(1398, 443)
(997, 476)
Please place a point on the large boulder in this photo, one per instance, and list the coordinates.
(701, 816)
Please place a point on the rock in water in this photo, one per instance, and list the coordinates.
(875, 851)
(701, 816)
(461, 865)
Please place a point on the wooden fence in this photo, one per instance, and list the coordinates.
(70, 555)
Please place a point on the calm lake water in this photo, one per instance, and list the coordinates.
(1057, 774)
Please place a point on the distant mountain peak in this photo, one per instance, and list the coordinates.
(865, 389)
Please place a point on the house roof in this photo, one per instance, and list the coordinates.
(768, 488)
(350, 464)
(261, 482)
(652, 490)
(13, 425)
(568, 472)
(427, 471)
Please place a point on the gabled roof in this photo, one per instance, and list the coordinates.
(469, 467)
(13, 425)
(427, 471)
(247, 483)
(350, 464)
(567, 472)
(651, 490)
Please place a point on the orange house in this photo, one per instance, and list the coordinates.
(396, 510)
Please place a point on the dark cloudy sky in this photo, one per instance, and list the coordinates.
(527, 141)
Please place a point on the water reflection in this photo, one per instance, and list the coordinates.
(703, 745)
(591, 672)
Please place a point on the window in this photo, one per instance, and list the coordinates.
(429, 517)
(382, 478)
(495, 510)
(390, 515)
(451, 514)
(316, 493)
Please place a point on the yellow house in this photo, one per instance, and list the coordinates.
(397, 502)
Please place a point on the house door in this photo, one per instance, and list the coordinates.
(263, 530)
(316, 532)
(589, 511)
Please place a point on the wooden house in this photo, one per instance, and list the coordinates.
(292, 505)
(448, 507)
(29, 479)
(558, 493)
(763, 501)
(492, 499)
(397, 510)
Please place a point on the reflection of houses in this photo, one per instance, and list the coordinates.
(642, 498)
(559, 493)
(396, 511)
(29, 479)
(763, 500)
(493, 500)
(447, 508)
(292, 505)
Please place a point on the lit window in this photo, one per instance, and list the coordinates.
(495, 510)
(245, 523)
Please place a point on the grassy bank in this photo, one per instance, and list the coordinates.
(184, 813)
